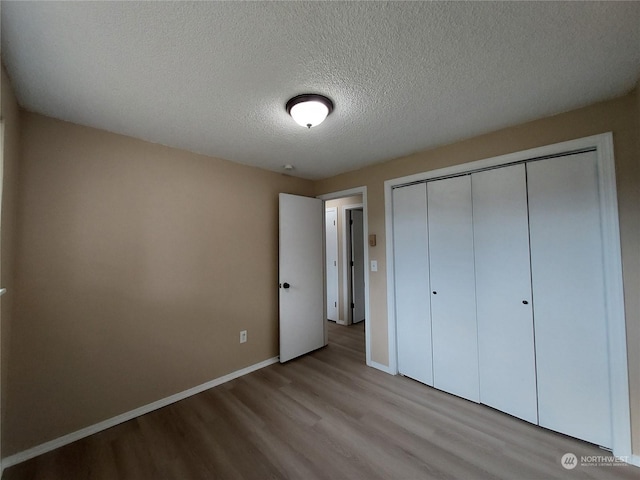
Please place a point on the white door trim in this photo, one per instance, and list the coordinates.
(616, 327)
(365, 217)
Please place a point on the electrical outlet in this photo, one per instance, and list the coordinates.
(243, 336)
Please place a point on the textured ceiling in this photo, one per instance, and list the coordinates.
(213, 77)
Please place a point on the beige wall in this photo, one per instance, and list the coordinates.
(343, 311)
(10, 114)
(139, 265)
(618, 116)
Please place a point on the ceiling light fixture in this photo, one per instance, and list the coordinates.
(310, 109)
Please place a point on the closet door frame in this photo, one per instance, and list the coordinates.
(616, 327)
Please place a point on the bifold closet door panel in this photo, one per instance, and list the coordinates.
(503, 292)
(568, 293)
(411, 264)
(453, 303)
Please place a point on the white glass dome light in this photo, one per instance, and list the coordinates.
(309, 114)
(309, 110)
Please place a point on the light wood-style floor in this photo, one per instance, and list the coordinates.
(323, 416)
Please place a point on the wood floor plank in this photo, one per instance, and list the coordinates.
(325, 415)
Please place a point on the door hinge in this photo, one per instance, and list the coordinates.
(353, 305)
(352, 263)
(350, 222)
(334, 222)
(335, 304)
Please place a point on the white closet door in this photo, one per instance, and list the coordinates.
(503, 289)
(568, 294)
(453, 301)
(411, 264)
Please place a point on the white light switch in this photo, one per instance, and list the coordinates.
(374, 265)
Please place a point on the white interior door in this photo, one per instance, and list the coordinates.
(568, 294)
(503, 291)
(331, 260)
(411, 271)
(301, 276)
(453, 300)
(357, 268)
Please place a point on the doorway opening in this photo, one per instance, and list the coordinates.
(355, 266)
(346, 256)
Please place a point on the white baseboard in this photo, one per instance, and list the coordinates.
(634, 460)
(98, 427)
(379, 366)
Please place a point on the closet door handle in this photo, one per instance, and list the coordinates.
(435, 293)
(525, 302)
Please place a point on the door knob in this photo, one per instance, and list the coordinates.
(285, 285)
(525, 302)
(435, 293)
